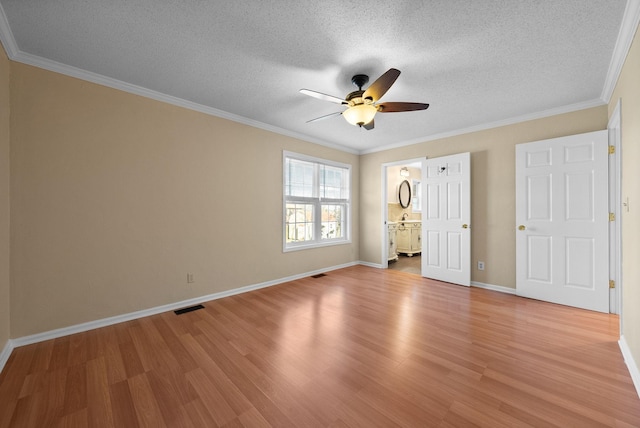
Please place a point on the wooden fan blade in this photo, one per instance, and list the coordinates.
(326, 116)
(321, 96)
(368, 126)
(382, 85)
(397, 107)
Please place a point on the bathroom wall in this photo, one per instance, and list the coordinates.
(395, 210)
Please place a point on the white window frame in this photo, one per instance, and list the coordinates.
(317, 202)
(416, 186)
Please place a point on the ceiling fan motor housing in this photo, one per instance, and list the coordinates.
(360, 80)
(355, 98)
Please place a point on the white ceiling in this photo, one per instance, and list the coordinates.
(478, 63)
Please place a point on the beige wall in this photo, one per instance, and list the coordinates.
(628, 90)
(4, 200)
(492, 186)
(115, 197)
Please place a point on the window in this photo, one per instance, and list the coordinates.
(316, 202)
(416, 198)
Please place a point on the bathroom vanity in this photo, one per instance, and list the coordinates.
(392, 253)
(409, 237)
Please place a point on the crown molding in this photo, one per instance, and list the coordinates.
(511, 121)
(15, 54)
(628, 28)
(99, 79)
(630, 21)
(6, 36)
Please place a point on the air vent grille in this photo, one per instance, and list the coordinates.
(189, 309)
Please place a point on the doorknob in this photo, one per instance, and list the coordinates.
(522, 227)
(465, 226)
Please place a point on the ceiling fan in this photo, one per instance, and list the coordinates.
(362, 105)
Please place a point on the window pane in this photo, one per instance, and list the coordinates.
(334, 182)
(299, 222)
(416, 201)
(299, 178)
(316, 201)
(332, 221)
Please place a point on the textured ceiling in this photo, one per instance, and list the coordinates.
(475, 62)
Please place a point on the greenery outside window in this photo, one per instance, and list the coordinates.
(317, 202)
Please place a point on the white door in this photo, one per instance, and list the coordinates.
(446, 214)
(562, 221)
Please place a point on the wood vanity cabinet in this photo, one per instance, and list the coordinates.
(409, 237)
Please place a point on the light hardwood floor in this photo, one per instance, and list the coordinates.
(359, 347)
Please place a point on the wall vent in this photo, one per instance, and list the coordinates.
(189, 309)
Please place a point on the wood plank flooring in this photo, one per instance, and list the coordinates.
(359, 347)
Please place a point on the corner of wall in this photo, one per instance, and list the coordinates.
(634, 371)
(5, 354)
(5, 227)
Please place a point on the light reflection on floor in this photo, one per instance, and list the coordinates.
(312, 326)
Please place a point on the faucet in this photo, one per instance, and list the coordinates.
(404, 216)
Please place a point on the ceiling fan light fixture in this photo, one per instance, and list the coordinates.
(361, 105)
(360, 114)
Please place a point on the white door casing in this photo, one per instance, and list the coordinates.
(615, 206)
(384, 204)
(446, 219)
(562, 221)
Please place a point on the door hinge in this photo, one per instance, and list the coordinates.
(612, 216)
(612, 283)
(612, 150)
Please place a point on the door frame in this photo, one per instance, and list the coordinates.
(615, 207)
(384, 209)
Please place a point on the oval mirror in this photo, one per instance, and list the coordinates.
(404, 194)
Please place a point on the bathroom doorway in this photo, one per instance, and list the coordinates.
(402, 208)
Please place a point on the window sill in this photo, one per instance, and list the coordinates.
(305, 246)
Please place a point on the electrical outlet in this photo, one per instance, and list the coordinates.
(190, 279)
(480, 265)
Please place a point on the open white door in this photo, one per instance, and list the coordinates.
(446, 234)
(562, 241)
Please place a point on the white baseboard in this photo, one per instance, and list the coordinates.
(631, 363)
(27, 340)
(78, 328)
(499, 288)
(369, 264)
(6, 353)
